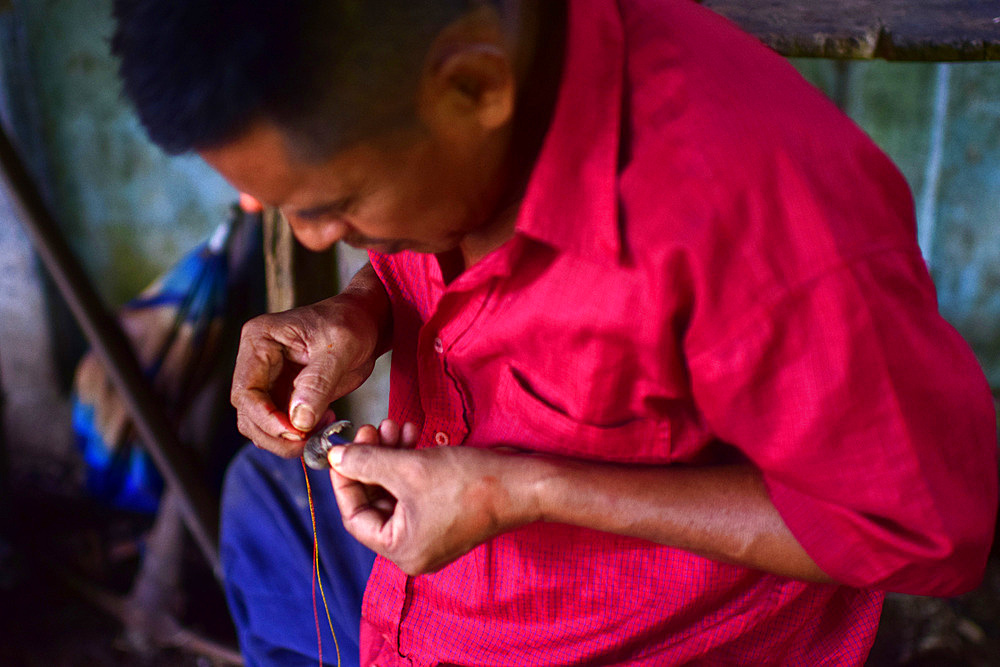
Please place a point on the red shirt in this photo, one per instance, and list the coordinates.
(710, 261)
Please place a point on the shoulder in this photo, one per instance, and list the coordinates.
(713, 113)
(735, 166)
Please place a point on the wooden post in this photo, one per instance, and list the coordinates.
(295, 276)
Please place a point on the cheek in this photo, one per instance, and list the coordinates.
(440, 189)
(415, 194)
(415, 204)
(386, 213)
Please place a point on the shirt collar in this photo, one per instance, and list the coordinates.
(571, 201)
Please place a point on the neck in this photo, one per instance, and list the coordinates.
(541, 44)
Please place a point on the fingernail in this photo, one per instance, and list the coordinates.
(294, 437)
(335, 456)
(303, 417)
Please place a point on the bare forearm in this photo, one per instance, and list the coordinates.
(721, 512)
(367, 291)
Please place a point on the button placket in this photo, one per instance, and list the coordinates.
(447, 421)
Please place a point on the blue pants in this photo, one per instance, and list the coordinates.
(266, 550)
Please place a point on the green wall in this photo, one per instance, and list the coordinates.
(128, 209)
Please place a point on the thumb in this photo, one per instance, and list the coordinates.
(361, 463)
(355, 478)
(312, 392)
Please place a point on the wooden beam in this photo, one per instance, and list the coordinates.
(915, 30)
(294, 276)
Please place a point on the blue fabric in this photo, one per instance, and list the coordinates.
(194, 293)
(266, 549)
(196, 284)
(124, 475)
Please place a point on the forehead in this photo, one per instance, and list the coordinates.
(258, 162)
(262, 163)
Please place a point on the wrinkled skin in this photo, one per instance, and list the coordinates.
(421, 509)
(291, 365)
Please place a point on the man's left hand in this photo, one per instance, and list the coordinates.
(424, 508)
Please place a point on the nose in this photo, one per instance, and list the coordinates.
(317, 235)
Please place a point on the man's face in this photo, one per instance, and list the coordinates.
(407, 190)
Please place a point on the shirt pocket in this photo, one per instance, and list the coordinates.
(543, 426)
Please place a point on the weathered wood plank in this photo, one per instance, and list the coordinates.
(927, 30)
(294, 276)
(278, 273)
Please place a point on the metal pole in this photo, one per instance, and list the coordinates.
(927, 210)
(200, 512)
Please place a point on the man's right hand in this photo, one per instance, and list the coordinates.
(292, 365)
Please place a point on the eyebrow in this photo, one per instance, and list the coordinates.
(336, 207)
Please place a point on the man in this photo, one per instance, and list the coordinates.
(669, 384)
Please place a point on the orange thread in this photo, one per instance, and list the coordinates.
(317, 579)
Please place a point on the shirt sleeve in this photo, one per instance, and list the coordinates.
(871, 422)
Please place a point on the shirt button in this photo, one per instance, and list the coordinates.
(438, 345)
(441, 439)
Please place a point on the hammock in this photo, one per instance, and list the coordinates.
(175, 328)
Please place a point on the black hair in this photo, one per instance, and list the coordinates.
(199, 72)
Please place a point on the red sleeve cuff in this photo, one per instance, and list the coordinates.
(869, 552)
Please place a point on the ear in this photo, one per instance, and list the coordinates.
(469, 84)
